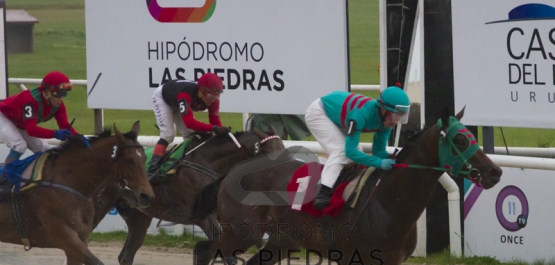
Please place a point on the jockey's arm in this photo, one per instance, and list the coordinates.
(352, 152)
(214, 113)
(36, 131)
(61, 119)
(186, 112)
(379, 143)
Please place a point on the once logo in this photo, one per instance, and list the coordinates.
(517, 212)
(181, 14)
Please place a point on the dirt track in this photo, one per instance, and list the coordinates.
(107, 252)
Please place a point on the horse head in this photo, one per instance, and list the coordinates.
(458, 152)
(129, 160)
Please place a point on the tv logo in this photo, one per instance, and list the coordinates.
(181, 14)
(511, 208)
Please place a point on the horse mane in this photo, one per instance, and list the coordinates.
(410, 143)
(77, 141)
(203, 136)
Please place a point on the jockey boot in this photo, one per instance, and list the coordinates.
(154, 166)
(323, 198)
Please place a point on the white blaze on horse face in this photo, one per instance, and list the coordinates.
(138, 153)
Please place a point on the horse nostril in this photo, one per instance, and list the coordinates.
(496, 172)
(144, 200)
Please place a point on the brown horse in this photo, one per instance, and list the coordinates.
(58, 212)
(207, 157)
(380, 229)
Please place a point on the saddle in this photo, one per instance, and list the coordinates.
(170, 160)
(24, 174)
(346, 192)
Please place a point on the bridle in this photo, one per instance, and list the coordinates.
(453, 164)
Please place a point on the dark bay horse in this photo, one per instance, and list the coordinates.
(58, 213)
(207, 157)
(380, 229)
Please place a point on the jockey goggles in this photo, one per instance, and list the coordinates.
(211, 93)
(400, 114)
(60, 90)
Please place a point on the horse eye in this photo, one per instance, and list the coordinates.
(461, 141)
(130, 160)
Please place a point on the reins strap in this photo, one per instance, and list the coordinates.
(18, 222)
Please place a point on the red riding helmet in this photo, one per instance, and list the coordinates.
(57, 82)
(211, 83)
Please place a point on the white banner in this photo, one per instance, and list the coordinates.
(504, 62)
(514, 219)
(274, 56)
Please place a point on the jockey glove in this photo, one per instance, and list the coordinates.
(387, 164)
(219, 130)
(62, 134)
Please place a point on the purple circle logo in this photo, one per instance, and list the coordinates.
(500, 203)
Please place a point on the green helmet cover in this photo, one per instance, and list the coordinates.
(394, 99)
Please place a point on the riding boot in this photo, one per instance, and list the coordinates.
(323, 198)
(154, 166)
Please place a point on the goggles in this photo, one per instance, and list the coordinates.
(210, 93)
(60, 90)
(401, 114)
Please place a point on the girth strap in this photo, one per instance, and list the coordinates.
(62, 187)
(18, 222)
(203, 169)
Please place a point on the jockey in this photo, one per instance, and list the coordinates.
(174, 103)
(336, 121)
(20, 114)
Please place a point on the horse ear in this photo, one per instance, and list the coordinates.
(461, 113)
(272, 130)
(445, 118)
(136, 127)
(259, 134)
(118, 133)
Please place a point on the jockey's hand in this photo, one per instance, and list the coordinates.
(220, 130)
(387, 164)
(62, 134)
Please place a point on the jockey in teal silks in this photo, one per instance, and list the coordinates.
(337, 120)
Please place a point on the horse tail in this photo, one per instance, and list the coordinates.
(206, 201)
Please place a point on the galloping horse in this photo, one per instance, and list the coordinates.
(380, 229)
(207, 157)
(58, 212)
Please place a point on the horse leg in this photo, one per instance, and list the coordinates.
(210, 226)
(75, 248)
(225, 249)
(137, 226)
(270, 254)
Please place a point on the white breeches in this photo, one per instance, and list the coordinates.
(19, 140)
(332, 140)
(167, 118)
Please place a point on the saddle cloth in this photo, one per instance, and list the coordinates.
(170, 159)
(22, 174)
(303, 188)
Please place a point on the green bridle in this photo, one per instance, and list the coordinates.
(447, 161)
(446, 158)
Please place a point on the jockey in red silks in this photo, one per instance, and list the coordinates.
(337, 120)
(174, 103)
(20, 114)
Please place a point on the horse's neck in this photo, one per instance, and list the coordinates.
(84, 170)
(407, 192)
(220, 158)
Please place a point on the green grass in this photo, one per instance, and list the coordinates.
(60, 44)
(447, 258)
(163, 239)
